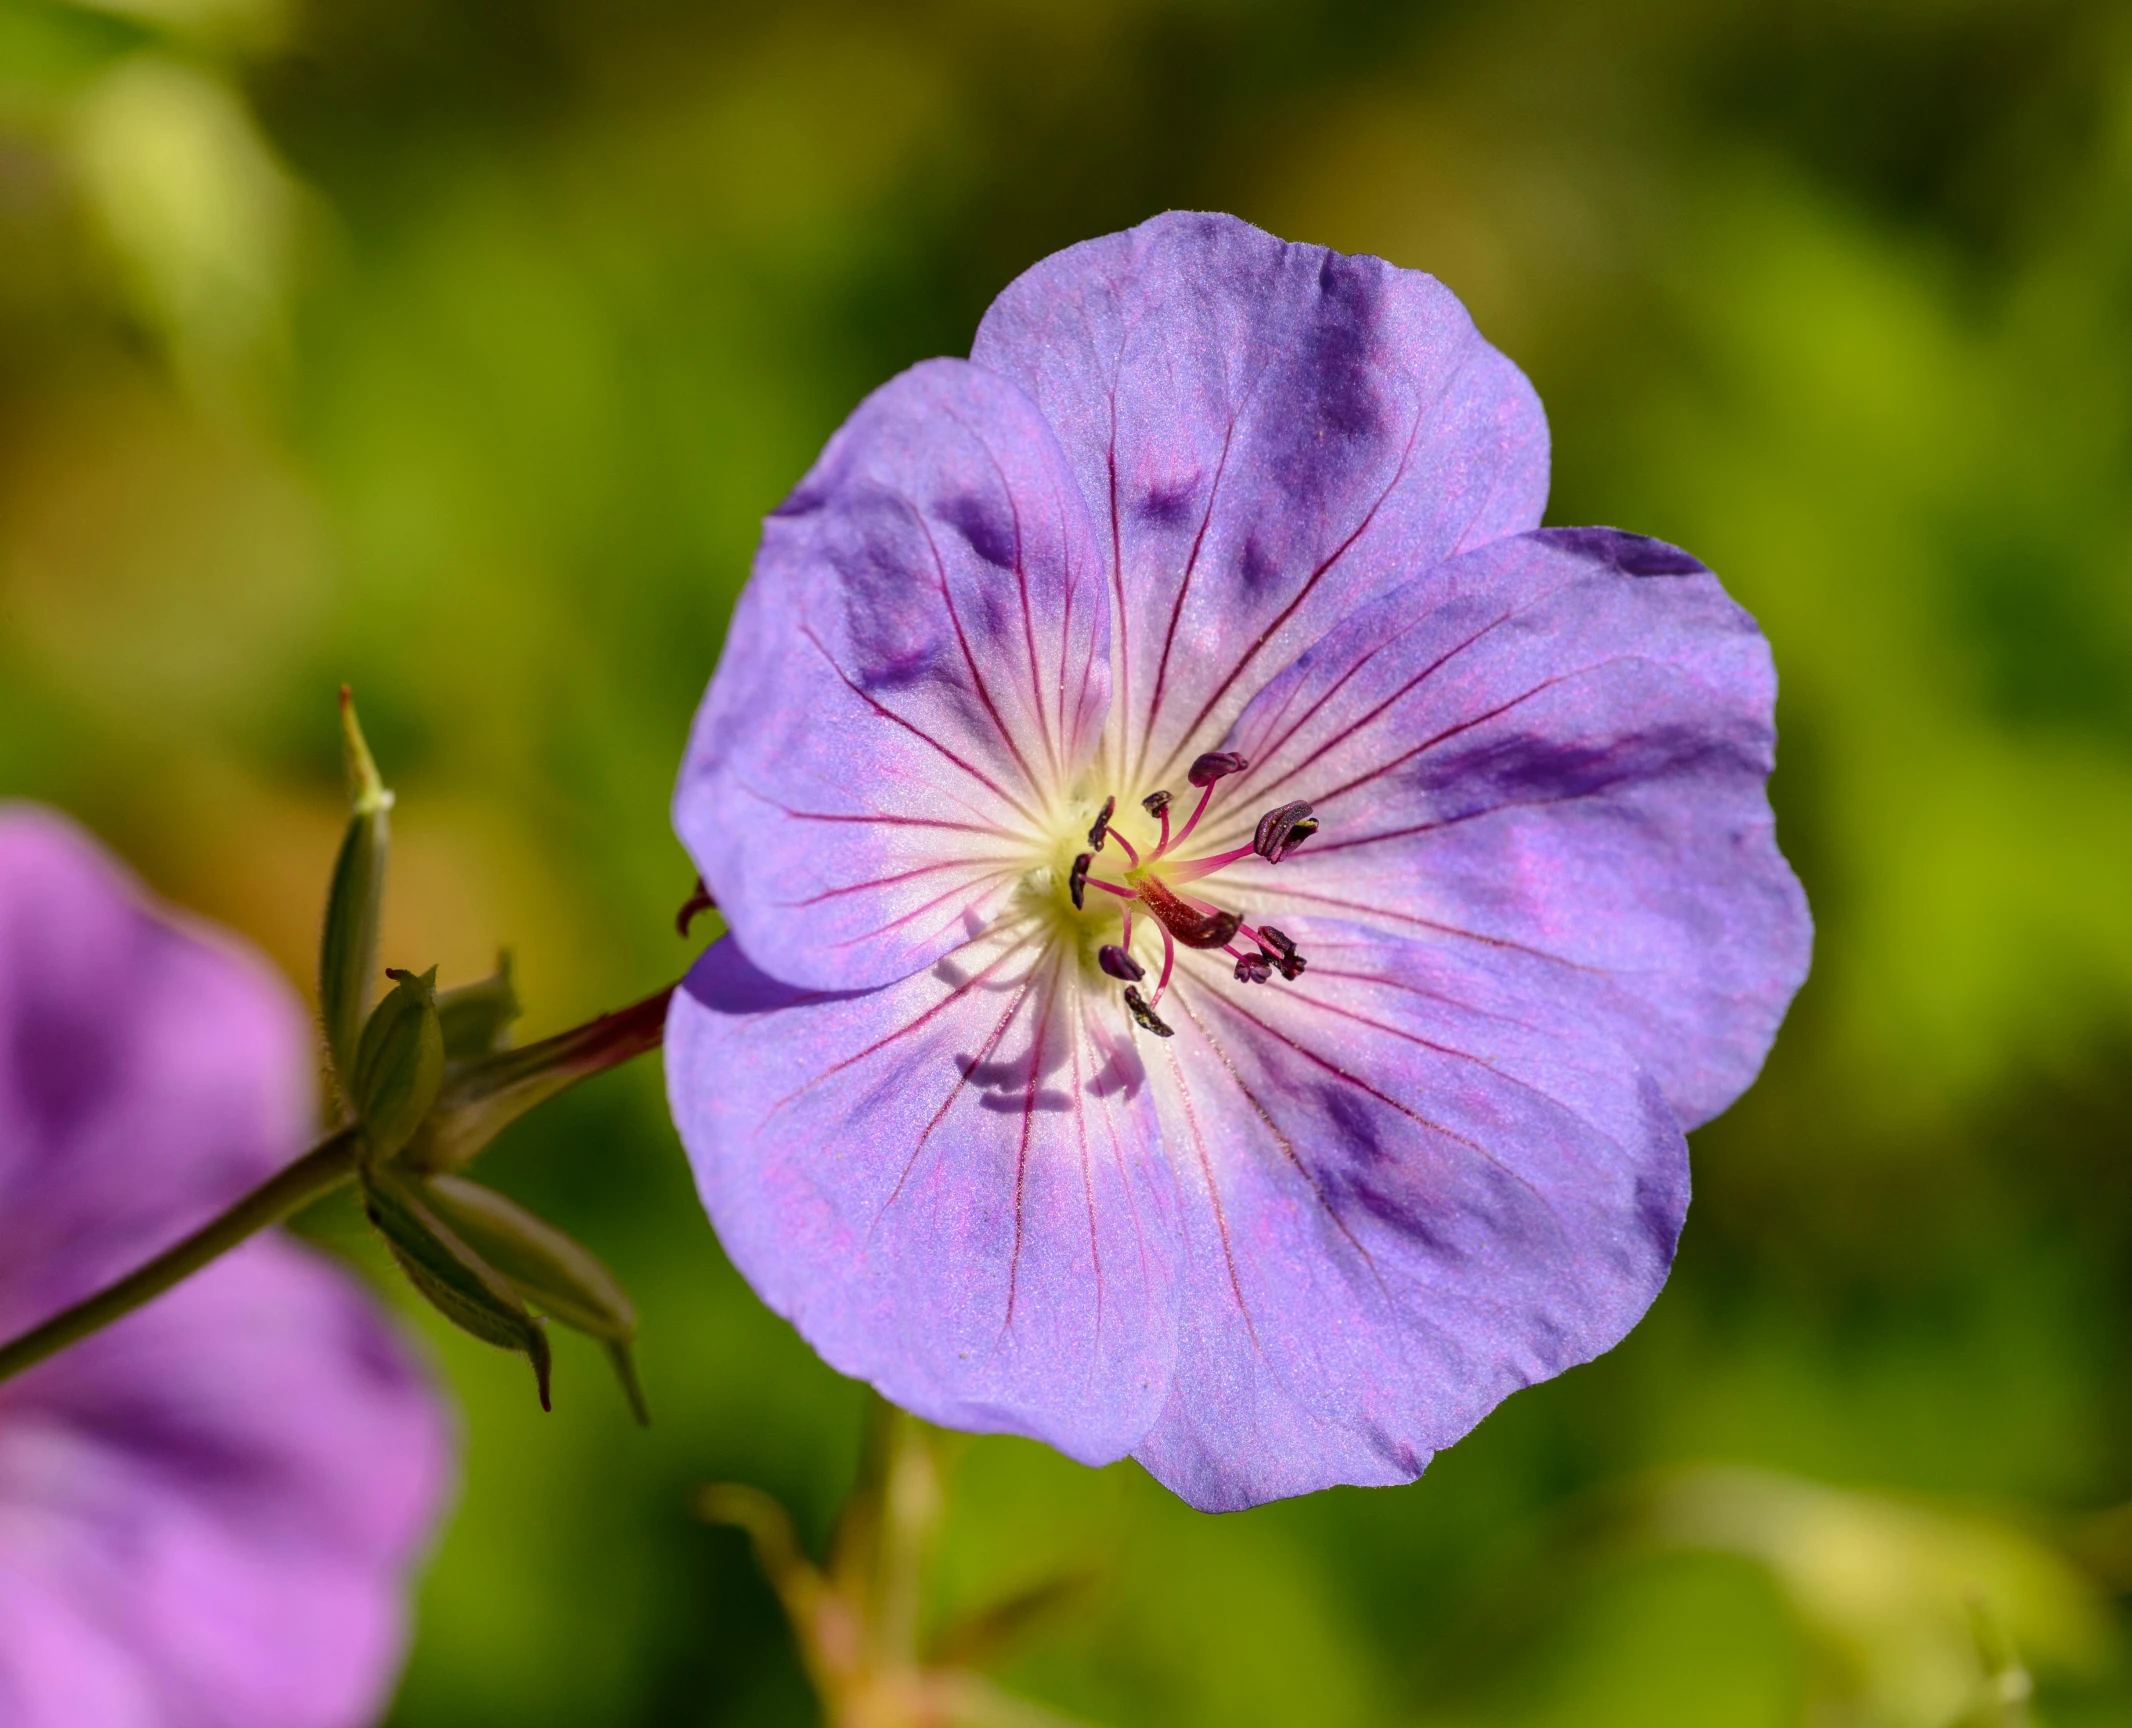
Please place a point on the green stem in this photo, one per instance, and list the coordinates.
(325, 1167)
(476, 1103)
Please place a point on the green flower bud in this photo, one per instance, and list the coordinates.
(483, 1095)
(477, 1017)
(348, 946)
(455, 1279)
(560, 1277)
(399, 1065)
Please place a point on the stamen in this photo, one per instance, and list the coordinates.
(1120, 964)
(1169, 960)
(1077, 878)
(1192, 821)
(1282, 830)
(1252, 969)
(1102, 824)
(1157, 805)
(1145, 1015)
(1286, 960)
(1207, 769)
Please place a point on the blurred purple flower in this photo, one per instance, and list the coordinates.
(1286, 1177)
(207, 1512)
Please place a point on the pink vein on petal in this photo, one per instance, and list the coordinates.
(918, 732)
(1184, 587)
(962, 1079)
(903, 918)
(1021, 1156)
(1414, 683)
(1021, 581)
(993, 865)
(1221, 1216)
(1310, 583)
(969, 659)
(904, 1031)
(1287, 1146)
(1464, 726)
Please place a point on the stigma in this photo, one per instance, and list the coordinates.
(1155, 900)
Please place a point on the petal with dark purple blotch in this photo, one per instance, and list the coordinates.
(1412, 1185)
(1267, 435)
(918, 667)
(951, 1185)
(1553, 748)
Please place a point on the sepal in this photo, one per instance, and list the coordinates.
(399, 1065)
(560, 1277)
(477, 1017)
(455, 1279)
(484, 1095)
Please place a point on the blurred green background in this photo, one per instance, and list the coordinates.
(455, 348)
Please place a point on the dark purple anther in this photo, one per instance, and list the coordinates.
(1252, 969)
(1102, 823)
(1146, 1015)
(1282, 830)
(1286, 961)
(1077, 882)
(1207, 769)
(1120, 964)
(1155, 803)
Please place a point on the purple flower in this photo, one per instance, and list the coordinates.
(208, 1511)
(1229, 918)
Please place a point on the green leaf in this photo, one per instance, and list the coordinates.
(399, 1065)
(348, 946)
(557, 1275)
(477, 1017)
(455, 1279)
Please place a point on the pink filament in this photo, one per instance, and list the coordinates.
(1185, 833)
(1169, 959)
(1194, 868)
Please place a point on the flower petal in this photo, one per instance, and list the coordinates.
(215, 1503)
(917, 670)
(1267, 435)
(207, 1511)
(150, 1070)
(952, 1185)
(1556, 746)
(1413, 1185)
